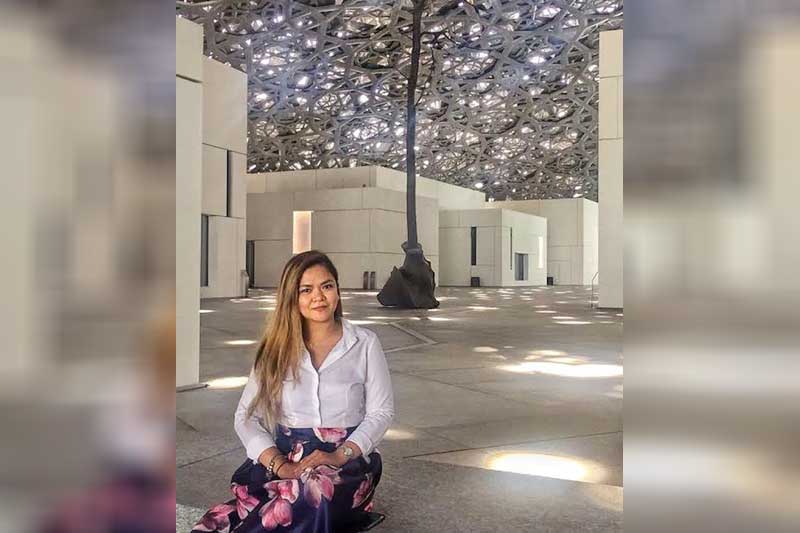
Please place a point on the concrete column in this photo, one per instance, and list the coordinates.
(188, 199)
(611, 234)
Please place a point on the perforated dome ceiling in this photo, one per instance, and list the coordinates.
(509, 98)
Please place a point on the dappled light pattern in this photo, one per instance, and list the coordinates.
(536, 464)
(509, 87)
(228, 383)
(587, 370)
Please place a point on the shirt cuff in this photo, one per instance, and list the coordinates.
(257, 445)
(362, 441)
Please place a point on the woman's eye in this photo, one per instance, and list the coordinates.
(305, 290)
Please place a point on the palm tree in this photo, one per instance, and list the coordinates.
(413, 284)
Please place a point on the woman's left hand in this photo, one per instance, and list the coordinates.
(318, 457)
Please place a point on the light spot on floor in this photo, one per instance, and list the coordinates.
(571, 371)
(484, 349)
(537, 464)
(228, 383)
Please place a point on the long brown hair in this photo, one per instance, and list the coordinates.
(282, 343)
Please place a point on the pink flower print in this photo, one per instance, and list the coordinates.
(368, 508)
(276, 512)
(334, 435)
(363, 491)
(245, 502)
(288, 489)
(297, 452)
(279, 510)
(216, 519)
(319, 483)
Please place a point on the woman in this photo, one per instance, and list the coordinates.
(318, 401)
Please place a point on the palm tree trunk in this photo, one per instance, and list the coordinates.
(413, 285)
(411, 127)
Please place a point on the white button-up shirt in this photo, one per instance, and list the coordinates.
(351, 388)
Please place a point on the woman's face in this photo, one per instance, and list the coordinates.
(318, 295)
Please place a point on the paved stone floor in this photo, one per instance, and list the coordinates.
(508, 410)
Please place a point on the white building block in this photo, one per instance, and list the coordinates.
(238, 190)
(269, 216)
(620, 106)
(351, 267)
(328, 200)
(224, 106)
(480, 217)
(226, 257)
(296, 180)
(356, 177)
(448, 219)
(611, 229)
(608, 112)
(611, 61)
(485, 246)
(590, 241)
(188, 50)
(341, 231)
(188, 202)
(610, 164)
(427, 225)
(215, 181)
(567, 221)
(387, 231)
(374, 198)
(256, 183)
(270, 257)
(454, 246)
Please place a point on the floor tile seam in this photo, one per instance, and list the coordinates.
(521, 403)
(404, 348)
(213, 456)
(538, 441)
(507, 420)
(487, 471)
(414, 333)
(516, 443)
(217, 329)
(187, 423)
(229, 348)
(448, 369)
(433, 435)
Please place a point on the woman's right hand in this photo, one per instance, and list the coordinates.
(289, 470)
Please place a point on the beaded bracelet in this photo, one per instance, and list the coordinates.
(280, 465)
(270, 467)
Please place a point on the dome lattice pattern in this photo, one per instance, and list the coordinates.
(508, 99)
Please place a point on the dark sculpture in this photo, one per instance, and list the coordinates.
(413, 284)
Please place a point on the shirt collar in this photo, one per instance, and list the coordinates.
(348, 340)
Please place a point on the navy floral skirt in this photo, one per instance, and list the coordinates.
(323, 500)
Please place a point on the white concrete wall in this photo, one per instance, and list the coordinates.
(226, 256)
(494, 254)
(359, 228)
(527, 229)
(610, 164)
(571, 224)
(188, 199)
(224, 151)
(449, 196)
(590, 241)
